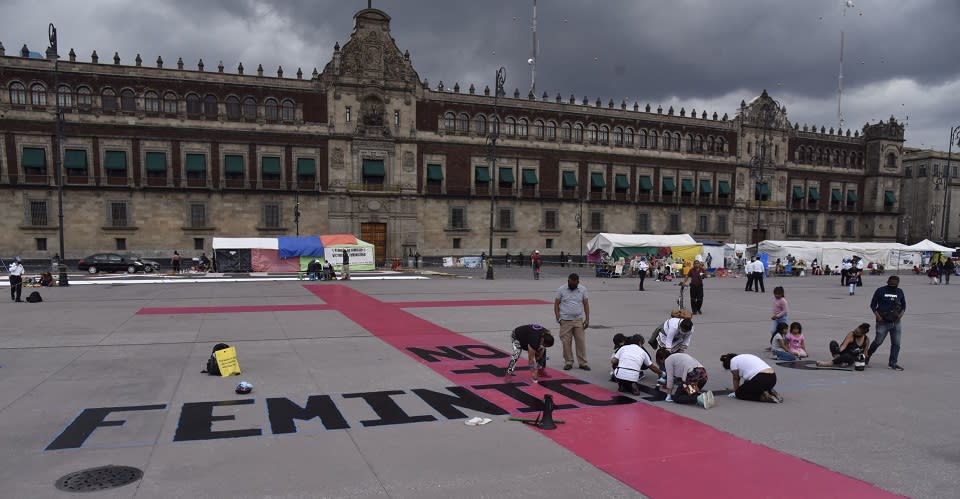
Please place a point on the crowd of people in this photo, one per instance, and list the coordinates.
(681, 377)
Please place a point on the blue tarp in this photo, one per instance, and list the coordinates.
(299, 246)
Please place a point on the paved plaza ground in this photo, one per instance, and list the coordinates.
(361, 389)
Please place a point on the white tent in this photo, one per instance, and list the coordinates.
(832, 253)
(928, 245)
(617, 245)
(606, 241)
(245, 243)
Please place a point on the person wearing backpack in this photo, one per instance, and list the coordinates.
(888, 305)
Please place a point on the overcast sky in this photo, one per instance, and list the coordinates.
(901, 57)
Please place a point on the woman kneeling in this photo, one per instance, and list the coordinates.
(758, 378)
(685, 377)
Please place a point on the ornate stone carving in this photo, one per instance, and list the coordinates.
(336, 158)
(408, 165)
(739, 180)
(374, 205)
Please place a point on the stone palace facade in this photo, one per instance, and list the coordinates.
(157, 158)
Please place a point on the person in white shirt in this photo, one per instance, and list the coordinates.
(642, 271)
(683, 379)
(753, 379)
(16, 279)
(674, 335)
(628, 362)
(748, 269)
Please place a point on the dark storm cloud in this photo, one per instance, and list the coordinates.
(899, 56)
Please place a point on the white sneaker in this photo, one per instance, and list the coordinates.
(708, 400)
(474, 421)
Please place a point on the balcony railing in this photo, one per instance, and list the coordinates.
(373, 187)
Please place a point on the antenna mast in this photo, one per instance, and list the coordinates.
(847, 4)
(533, 55)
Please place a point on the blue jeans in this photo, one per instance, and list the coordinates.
(784, 355)
(883, 328)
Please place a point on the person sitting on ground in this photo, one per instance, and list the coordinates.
(853, 348)
(329, 273)
(46, 279)
(779, 346)
(683, 379)
(533, 339)
(314, 269)
(796, 343)
(619, 340)
(674, 335)
(758, 378)
(628, 364)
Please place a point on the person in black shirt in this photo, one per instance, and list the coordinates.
(534, 339)
(345, 268)
(314, 269)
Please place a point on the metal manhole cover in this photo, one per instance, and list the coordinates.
(104, 477)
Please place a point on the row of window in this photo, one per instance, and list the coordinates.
(706, 224)
(576, 132)
(207, 107)
(833, 157)
(119, 215)
(811, 197)
(120, 243)
(937, 171)
(33, 160)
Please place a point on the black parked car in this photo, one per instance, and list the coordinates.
(113, 262)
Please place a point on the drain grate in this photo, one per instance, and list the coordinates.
(104, 477)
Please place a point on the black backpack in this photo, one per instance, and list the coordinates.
(213, 369)
(34, 297)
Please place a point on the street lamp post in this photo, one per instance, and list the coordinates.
(57, 164)
(947, 190)
(580, 227)
(494, 134)
(296, 209)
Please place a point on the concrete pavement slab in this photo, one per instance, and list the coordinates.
(891, 429)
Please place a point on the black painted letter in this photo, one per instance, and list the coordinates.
(282, 412)
(431, 355)
(388, 410)
(196, 421)
(557, 385)
(82, 427)
(488, 352)
(512, 390)
(443, 403)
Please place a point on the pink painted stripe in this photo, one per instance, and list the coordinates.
(231, 309)
(626, 441)
(469, 303)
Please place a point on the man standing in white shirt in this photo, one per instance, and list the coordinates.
(748, 270)
(16, 280)
(642, 271)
